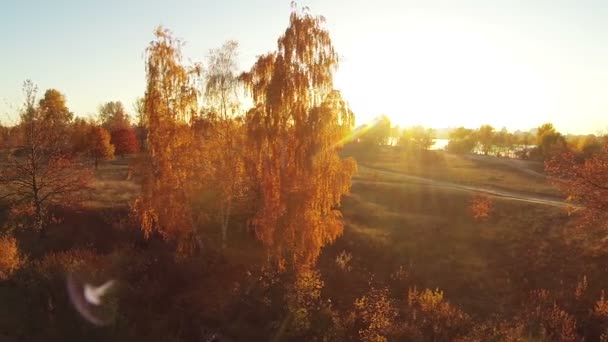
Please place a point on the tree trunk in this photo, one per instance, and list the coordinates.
(225, 220)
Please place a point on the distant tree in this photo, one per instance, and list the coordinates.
(43, 174)
(549, 142)
(416, 138)
(524, 140)
(586, 145)
(485, 137)
(100, 147)
(56, 115)
(462, 140)
(113, 116)
(79, 136)
(378, 132)
(124, 141)
(54, 110)
(295, 140)
(501, 140)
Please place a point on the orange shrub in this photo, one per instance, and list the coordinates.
(10, 258)
(480, 207)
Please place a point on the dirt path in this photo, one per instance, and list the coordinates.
(509, 195)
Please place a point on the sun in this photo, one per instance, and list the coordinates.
(442, 79)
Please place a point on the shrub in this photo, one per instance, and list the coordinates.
(10, 257)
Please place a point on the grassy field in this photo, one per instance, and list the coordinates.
(477, 170)
(398, 234)
(406, 234)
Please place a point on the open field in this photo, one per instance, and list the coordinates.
(425, 236)
(403, 230)
(473, 170)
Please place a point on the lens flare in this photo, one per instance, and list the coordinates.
(91, 302)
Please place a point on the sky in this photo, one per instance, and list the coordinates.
(514, 64)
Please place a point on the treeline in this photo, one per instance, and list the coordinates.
(381, 132)
(97, 138)
(541, 143)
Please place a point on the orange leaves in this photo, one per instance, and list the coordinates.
(168, 182)
(480, 207)
(100, 146)
(378, 313)
(10, 257)
(585, 183)
(43, 174)
(124, 141)
(436, 318)
(295, 132)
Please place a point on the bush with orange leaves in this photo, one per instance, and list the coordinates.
(10, 257)
(547, 320)
(303, 298)
(376, 315)
(585, 183)
(434, 317)
(481, 207)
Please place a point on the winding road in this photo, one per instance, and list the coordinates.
(508, 195)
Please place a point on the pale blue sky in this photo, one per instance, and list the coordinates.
(437, 63)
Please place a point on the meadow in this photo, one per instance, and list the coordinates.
(404, 233)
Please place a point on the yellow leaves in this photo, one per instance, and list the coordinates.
(100, 146)
(10, 257)
(434, 316)
(168, 182)
(295, 140)
(304, 297)
(377, 312)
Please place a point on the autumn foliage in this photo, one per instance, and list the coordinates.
(168, 185)
(100, 147)
(125, 141)
(295, 138)
(44, 174)
(10, 257)
(480, 207)
(585, 182)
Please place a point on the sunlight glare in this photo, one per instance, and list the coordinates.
(439, 78)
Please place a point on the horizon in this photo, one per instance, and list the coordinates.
(436, 65)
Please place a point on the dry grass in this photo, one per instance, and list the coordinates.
(491, 172)
(112, 186)
(484, 267)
